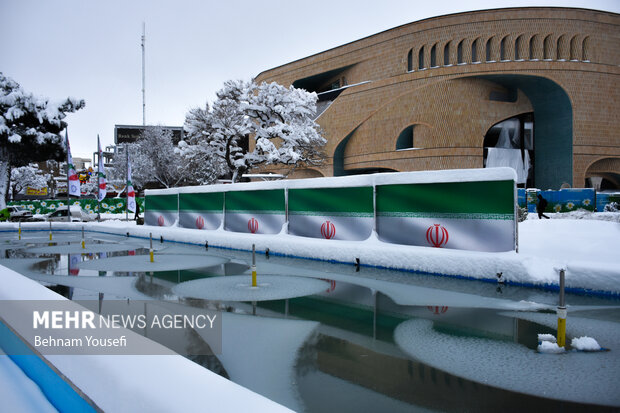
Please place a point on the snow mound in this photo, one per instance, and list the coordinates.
(546, 337)
(585, 343)
(550, 348)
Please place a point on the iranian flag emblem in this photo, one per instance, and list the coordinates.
(328, 230)
(437, 235)
(200, 222)
(253, 225)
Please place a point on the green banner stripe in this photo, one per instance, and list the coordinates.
(333, 214)
(255, 212)
(330, 200)
(490, 197)
(210, 201)
(162, 202)
(481, 216)
(267, 200)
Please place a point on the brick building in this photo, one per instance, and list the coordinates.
(533, 88)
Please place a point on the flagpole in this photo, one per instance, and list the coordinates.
(98, 178)
(68, 166)
(126, 183)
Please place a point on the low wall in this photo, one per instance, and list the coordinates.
(470, 209)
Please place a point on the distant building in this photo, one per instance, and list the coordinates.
(131, 133)
(535, 88)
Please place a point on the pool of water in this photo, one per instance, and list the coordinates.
(370, 340)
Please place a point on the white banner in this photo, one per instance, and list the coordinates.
(200, 220)
(463, 234)
(354, 228)
(254, 223)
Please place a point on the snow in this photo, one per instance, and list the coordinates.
(585, 343)
(550, 348)
(546, 337)
(260, 353)
(239, 288)
(16, 389)
(142, 263)
(573, 376)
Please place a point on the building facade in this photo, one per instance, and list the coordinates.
(532, 88)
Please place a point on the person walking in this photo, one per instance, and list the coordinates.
(540, 208)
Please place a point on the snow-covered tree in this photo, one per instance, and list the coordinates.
(278, 120)
(30, 129)
(154, 158)
(27, 176)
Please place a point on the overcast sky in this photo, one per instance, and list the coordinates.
(91, 49)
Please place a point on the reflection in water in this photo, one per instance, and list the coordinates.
(352, 363)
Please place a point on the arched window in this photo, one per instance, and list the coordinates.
(503, 49)
(518, 43)
(574, 48)
(410, 60)
(459, 52)
(446, 54)
(532, 47)
(488, 50)
(474, 51)
(585, 50)
(548, 48)
(421, 64)
(405, 139)
(434, 56)
(564, 47)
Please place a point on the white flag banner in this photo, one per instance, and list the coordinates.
(101, 182)
(131, 194)
(74, 181)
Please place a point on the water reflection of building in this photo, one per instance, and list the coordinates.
(437, 94)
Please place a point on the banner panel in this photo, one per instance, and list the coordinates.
(255, 212)
(161, 210)
(331, 213)
(460, 215)
(201, 210)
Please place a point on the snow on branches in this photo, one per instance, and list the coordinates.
(30, 129)
(277, 120)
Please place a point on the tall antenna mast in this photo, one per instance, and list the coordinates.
(143, 97)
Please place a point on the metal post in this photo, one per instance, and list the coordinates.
(253, 265)
(83, 242)
(19, 231)
(374, 208)
(50, 230)
(126, 182)
(561, 312)
(151, 246)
